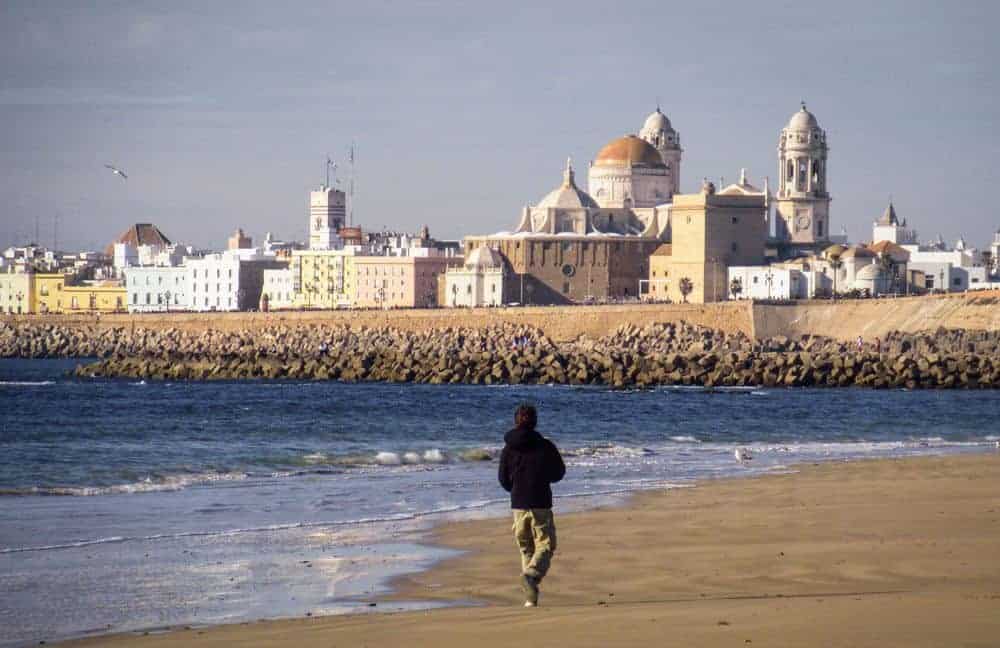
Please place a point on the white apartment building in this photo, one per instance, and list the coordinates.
(766, 282)
(228, 281)
(154, 289)
(952, 270)
(279, 289)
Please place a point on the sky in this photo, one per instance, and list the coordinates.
(222, 113)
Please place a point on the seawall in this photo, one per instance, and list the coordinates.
(842, 320)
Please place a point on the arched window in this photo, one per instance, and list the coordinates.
(791, 170)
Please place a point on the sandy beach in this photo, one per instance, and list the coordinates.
(899, 552)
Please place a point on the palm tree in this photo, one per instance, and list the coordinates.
(686, 286)
(736, 287)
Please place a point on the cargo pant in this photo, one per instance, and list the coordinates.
(535, 534)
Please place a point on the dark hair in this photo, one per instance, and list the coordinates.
(526, 416)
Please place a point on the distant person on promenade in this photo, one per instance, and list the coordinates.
(861, 344)
(529, 464)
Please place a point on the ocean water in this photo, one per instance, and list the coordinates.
(129, 505)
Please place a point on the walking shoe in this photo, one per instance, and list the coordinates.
(530, 586)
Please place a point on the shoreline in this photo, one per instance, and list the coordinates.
(478, 585)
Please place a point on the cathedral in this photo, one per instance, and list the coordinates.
(579, 246)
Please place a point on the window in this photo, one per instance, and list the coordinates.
(819, 228)
(135, 298)
(735, 247)
(736, 220)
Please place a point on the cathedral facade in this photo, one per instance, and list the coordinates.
(595, 245)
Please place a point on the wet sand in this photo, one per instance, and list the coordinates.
(901, 552)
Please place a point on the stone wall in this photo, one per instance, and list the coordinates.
(869, 318)
(561, 323)
(842, 320)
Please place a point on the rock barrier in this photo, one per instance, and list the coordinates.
(657, 354)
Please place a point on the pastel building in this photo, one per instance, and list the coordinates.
(399, 282)
(322, 279)
(94, 297)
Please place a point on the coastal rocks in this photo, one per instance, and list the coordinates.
(657, 354)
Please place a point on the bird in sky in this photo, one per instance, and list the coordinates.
(115, 170)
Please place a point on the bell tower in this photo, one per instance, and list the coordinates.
(658, 131)
(802, 203)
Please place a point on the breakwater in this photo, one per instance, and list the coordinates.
(656, 354)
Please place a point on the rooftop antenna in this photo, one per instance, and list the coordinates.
(351, 156)
(37, 239)
(330, 165)
(55, 231)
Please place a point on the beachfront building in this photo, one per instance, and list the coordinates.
(952, 270)
(710, 232)
(94, 297)
(324, 279)
(48, 288)
(228, 281)
(154, 289)
(17, 291)
(399, 282)
(478, 282)
(767, 282)
(279, 289)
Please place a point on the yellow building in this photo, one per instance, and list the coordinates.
(96, 297)
(48, 291)
(324, 279)
(17, 294)
(709, 232)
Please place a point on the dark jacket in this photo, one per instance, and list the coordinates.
(528, 464)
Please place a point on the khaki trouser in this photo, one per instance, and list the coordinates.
(535, 534)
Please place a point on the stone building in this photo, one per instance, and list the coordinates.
(803, 201)
(570, 248)
(478, 282)
(710, 232)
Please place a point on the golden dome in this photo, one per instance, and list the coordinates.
(629, 151)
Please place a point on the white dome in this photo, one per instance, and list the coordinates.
(803, 120)
(483, 257)
(657, 121)
(567, 195)
(873, 272)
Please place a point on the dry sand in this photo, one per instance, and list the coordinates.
(873, 553)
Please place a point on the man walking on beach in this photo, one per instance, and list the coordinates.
(529, 463)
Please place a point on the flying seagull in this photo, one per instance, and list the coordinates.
(742, 455)
(115, 170)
